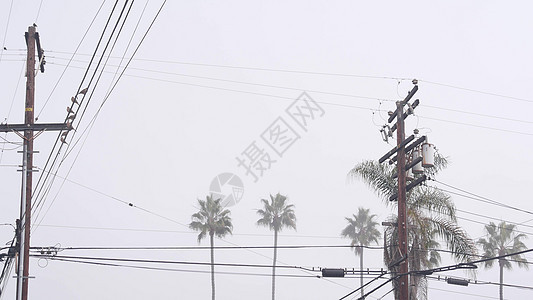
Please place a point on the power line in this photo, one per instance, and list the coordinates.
(493, 218)
(463, 293)
(477, 91)
(37, 249)
(38, 11)
(40, 203)
(477, 126)
(467, 254)
(181, 270)
(256, 84)
(245, 92)
(11, 107)
(482, 282)
(265, 69)
(324, 102)
(484, 199)
(177, 231)
(5, 32)
(479, 114)
(138, 46)
(467, 265)
(171, 262)
(41, 183)
(330, 74)
(315, 91)
(71, 59)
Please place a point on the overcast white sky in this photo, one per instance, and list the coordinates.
(199, 93)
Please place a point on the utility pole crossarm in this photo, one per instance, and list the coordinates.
(34, 127)
(409, 96)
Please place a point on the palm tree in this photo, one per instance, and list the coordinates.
(276, 214)
(214, 220)
(430, 216)
(503, 240)
(362, 231)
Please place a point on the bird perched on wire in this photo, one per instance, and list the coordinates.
(71, 117)
(83, 92)
(69, 110)
(63, 137)
(73, 99)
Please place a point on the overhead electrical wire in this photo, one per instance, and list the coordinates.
(463, 293)
(179, 231)
(331, 74)
(477, 126)
(6, 270)
(38, 207)
(464, 253)
(38, 11)
(70, 60)
(128, 203)
(476, 91)
(255, 84)
(480, 215)
(260, 69)
(483, 282)
(116, 82)
(97, 82)
(5, 31)
(480, 222)
(479, 114)
(328, 103)
(169, 262)
(246, 92)
(11, 108)
(483, 199)
(308, 90)
(468, 265)
(493, 218)
(49, 165)
(37, 249)
(180, 270)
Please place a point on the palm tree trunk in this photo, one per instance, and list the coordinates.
(211, 239)
(274, 265)
(361, 268)
(501, 279)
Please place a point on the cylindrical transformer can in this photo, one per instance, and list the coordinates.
(428, 155)
(417, 169)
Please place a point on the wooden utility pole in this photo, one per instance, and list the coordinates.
(402, 206)
(23, 224)
(27, 168)
(401, 149)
